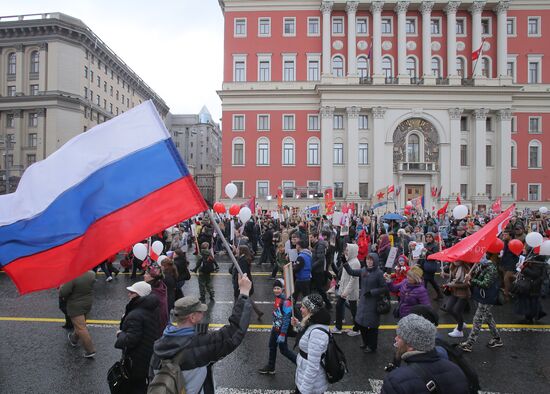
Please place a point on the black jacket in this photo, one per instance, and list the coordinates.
(318, 258)
(139, 330)
(448, 377)
(245, 267)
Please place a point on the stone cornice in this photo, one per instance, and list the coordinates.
(426, 7)
(477, 7)
(452, 7)
(455, 113)
(351, 7)
(326, 7)
(401, 7)
(376, 6)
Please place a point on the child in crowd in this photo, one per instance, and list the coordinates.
(206, 264)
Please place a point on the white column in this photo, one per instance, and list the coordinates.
(502, 38)
(504, 164)
(478, 165)
(352, 152)
(401, 10)
(476, 9)
(326, 10)
(453, 175)
(376, 11)
(42, 67)
(451, 9)
(426, 10)
(351, 9)
(327, 141)
(379, 158)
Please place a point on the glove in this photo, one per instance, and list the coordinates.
(281, 339)
(368, 293)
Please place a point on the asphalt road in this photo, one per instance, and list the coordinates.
(35, 356)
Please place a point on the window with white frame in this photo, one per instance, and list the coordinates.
(262, 189)
(313, 122)
(486, 67)
(363, 153)
(33, 119)
(535, 125)
(362, 67)
(11, 91)
(338, 122)
(289, 123)
(239, 68)
(337, 66)
(240, 27)
(313, 69)
(463, 155)
(363, 122)
(264, 68)
(435, 26)
(511, 68)
(10, 121)
(411, 67)
(337, 25)
(288, 152)
(313, 187)
(362, 26)
(32, 140)
(534, 191)
(238, 122)
(289, 68)
(338, 150)
(514, 124)
(33, 90)
(533, 26)
(264, 27)
(410, 26)
(313, 26)
(289, 27)
(263, 122)
(313, 152)
(535, 154)
(486, 27)
(262, 153)
(289, 189)
(513, 190)
(413, 148)
(364, 190)
(436, 67)
(338, 189)
(35, 62)
(238, 152)
(511, 27)
(464, 190)
(12, 63)
(534, 69)
(387, 24)
(461, 26)
(387, 67)
(513, 154)
(461, 67)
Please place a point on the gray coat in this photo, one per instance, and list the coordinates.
(79, 294)
(373, 284)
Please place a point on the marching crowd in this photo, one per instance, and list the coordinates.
(361, 264)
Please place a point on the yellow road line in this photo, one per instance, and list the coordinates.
(262, 326)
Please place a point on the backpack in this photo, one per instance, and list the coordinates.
(208, 265)
(169, 379)
(457, 357)
(333, 360)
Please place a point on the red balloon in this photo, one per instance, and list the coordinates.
(496, 246)
(515, 246)
(219, 207)
(234, 209)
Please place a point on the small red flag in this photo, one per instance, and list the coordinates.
(458, 200)
(477, 53)
(443, 209)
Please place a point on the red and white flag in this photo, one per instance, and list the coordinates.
(477, 53)
(391, 189)
(458, 200)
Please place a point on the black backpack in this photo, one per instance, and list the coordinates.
(456, 356)
(333, 360)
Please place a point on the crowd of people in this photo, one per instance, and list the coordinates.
(359, 264)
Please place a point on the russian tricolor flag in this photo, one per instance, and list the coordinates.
(103, 190)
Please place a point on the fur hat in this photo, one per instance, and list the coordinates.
(417, 332)
(313, 303)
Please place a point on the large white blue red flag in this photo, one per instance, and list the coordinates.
(103, 190)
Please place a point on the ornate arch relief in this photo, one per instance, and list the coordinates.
(429, 134)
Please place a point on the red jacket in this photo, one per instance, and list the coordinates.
(363, 243)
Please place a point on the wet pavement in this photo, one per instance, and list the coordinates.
(35, 356)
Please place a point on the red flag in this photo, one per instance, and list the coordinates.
(471, 249)
(391, 189)
(279, 198)
(251, 204)
(434, 191)
(458, 200)
(497, 205)
(477, 53)
(443, 209)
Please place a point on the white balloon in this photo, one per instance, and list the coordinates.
(409, 203)
(140, 251)
(161, 257)
(231, 190)
(543, 210)
(245, 214)
(460, 212)
(157, 247)
(545, 248)
(533, 239)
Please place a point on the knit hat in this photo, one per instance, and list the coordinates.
(313, 303)
(279, 283)
(404, 258)
(142, 288)
(417, 332)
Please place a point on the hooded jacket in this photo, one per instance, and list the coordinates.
(302, 267)
(349, 285)
(410, 295)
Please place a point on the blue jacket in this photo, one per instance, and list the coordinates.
(447, 375)
(302, 268)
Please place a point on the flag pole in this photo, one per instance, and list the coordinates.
(478, 57)
(227, 247)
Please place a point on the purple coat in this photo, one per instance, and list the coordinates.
(410, 295)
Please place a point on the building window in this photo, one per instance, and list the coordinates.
(461, 67)
(313, 122)
(489, 124)
(338, 189)
(33, 119)
(533, 26)
(34, 90)
(239, 70)
(411, 66)
(10, 121)
(263, 152)
(464, 190)
(289, 26)
(338, 122)
(513, 124)
(313, 187)
(337, 25)
(511, 69)
(511, 26)
(240, 28)
(35, 62)
(98, 81)
(313, 73)
(313, 26)
(535, 154)
(238, 152)
(11, 91)
(238, 122)
(313, 152)
(105, 86)
(488, 155)
(486, 26)
(411, 26)
(464, 123)
(435, 26)
(489, 191)
(98, 100)
(288, 189)
(338, 153)
(91, 76)
(534, 192)
(387, 67)
(362, 26)
(513, 155)
(337, 66)
(31, 159)
(387, 26)
(535, 125)
(463, 155)
(264, 70)
(436, 67)
(289, 70)
(363, 190)
(363, 153)
(12, 63)
(362, 67)
(8, 161)
(264, 27)
(263, 189)
(363, 122)
(289, 123)
(460, 26)
(534, 72)
(288, 152)
(413, 148)
(513, 188)
(263, 122)
(486, 67)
